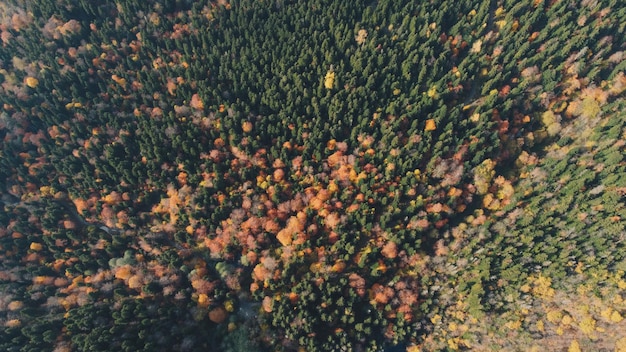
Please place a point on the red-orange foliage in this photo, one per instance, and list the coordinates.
(43, 280)
(247, 127)
(295, 225)
(60, 282)
(268, 304)
(407, 296)
(216, 246)
(293, 297)
(285, 237)
(81, 205)
(316, 203)
(20, 20)
(381, 294)
(54, 132)
(202, 286)
(246, 203)
(251, 256)
(108, 216)
(418, 224)
(171, 86)
(440, 248)
(338, 267)
(112, 198)
(279, 175)
(358, 283)
(218, 315)
(6, 36)
(253, 224)
(182, 178)
(196, 102)
(332, 220)
(69, 224)
(271, 226)
(135, 281)
(122, 218)
(123, 272)
(333, 237)
(505, 91)
(179, 30)
(335, 159)
(296, 163)
(261, 273)
(434, 208)
(390, 250)
(33, 257)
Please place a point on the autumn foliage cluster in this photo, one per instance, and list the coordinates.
(313, 175)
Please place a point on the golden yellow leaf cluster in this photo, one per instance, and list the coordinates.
(32, 82)
(361, 36)
(587, 325)
(329, 79)
(430, 125)
(574, 347)
(542, 287)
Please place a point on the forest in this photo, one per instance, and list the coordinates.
(317, 175)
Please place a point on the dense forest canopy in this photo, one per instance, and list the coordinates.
(312, 175)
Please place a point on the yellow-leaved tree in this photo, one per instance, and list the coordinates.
(329, 79)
